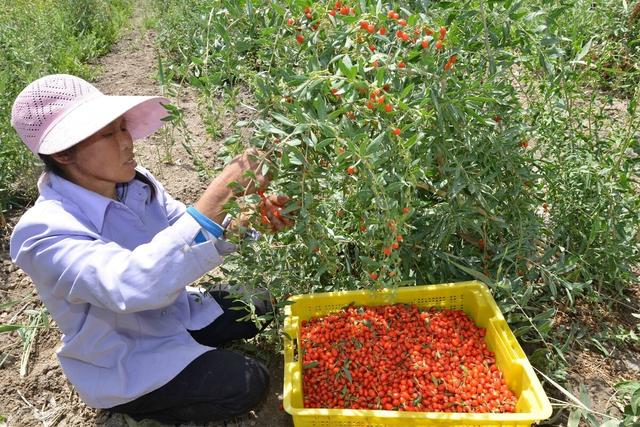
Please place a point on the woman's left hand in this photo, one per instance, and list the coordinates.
(271, 211)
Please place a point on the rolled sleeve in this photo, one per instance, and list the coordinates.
(223, 247)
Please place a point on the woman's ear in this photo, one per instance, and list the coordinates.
(64, 157)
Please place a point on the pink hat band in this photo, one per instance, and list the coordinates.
(58, 111)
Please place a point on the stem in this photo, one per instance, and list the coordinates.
(206, 51)
(487, 45)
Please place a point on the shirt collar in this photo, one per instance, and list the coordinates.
(92, 204)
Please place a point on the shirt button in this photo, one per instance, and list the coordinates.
(186, 248)
(163, 312)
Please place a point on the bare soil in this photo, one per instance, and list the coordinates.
(43, 396)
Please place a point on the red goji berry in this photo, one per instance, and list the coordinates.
(443, 33)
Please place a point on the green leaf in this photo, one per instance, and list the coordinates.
(612, 423)
(574, 418)
(282, 119)
(406, 91)
(321, 106)
(295, 156)
(635, 402)
(474, 273)
(9, 328)
(599, 346)
(347, 373)
(346, 67)
(584, 51)
(311, 365)
(380, 76)
(375, 145)
(269, 128)
(394, 187)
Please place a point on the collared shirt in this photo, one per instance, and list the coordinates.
(113, 275)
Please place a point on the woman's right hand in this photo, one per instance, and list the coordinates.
(242, 176)
(246, 172)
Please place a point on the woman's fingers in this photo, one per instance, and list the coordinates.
(273, 209)
(247, 169)
(256, 161)
(274, 213)
(278, 199)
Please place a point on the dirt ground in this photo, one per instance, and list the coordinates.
(44, 397)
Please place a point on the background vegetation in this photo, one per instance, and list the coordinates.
(519, 166)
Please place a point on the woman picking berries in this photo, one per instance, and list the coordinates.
(111, 254)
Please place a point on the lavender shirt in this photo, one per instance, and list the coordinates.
(113, 277)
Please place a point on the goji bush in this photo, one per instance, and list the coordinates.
(395, 155)
(429, 142)
(400, 357)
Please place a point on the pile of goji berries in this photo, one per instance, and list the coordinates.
(400, 357)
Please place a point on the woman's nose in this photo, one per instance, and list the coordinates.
(124, 139)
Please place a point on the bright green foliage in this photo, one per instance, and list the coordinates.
(518, 164)
(509, 171)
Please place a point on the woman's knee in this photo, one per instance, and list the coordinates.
(256, 385)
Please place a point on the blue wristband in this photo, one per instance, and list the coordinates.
(206, 223)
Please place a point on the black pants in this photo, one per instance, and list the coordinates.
(218, 385)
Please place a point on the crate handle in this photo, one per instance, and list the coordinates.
(509, 340)
(291, 349)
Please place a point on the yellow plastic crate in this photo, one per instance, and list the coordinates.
(475, 299)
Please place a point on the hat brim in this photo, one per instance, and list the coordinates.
(143, 115)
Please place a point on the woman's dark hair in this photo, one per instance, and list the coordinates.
(50, 165)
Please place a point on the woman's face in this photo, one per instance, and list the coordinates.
(101, 161)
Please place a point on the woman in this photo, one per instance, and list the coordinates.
(111, 253)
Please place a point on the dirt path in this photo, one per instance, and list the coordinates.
(43, 396)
